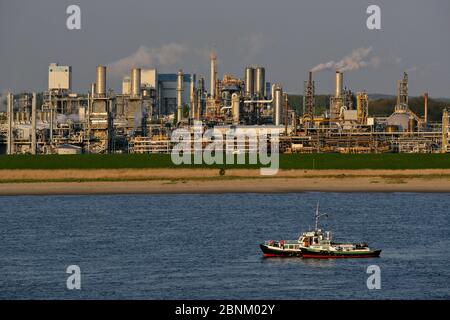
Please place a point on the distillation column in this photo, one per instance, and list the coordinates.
(179, 95)
(235, 99)
(213, 75)
(10, 102)
(277, 105)
(33, 124)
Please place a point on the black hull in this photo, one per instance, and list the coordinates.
(279, 252)
(306, 253)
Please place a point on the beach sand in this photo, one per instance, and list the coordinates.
(158, 181)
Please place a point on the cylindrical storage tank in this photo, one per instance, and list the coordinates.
(249, 81)
(339, 83)
(136, 82)
(391, 128)
(260, 82)
(100, 88)
(277, 106)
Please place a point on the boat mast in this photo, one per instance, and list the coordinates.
(318, 215)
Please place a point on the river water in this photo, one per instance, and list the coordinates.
(206, 246)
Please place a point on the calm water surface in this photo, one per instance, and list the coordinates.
(206, 246)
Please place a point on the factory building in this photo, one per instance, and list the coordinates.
(151, 105)
(165, 88)
(167, 92)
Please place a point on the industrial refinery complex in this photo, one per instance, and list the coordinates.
(151, 105)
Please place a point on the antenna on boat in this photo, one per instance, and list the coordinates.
(318, 215)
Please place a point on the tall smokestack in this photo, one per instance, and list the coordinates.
(10, 114)
(179, 95)
(100, 88)
(339, 77)
(192, 97)
(277, 106)
(425, 111)
(213, 59)
(33, 124)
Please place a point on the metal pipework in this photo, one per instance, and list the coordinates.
(263, 101)
(179, 95)
(213, 59)
(33, 124)
(339, 84)
(100, 89)
(135, 82)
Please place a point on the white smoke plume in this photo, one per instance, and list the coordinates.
(355, 60)
(145, 57)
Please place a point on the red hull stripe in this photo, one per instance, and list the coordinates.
(337, 257)
(273, 255)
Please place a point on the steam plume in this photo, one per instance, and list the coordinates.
(355, 60)
(145, 57)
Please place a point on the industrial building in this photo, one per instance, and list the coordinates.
(141, 118)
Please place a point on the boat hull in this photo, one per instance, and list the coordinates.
(323, 254)
(279, 252)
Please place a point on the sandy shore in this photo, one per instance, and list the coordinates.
(192, 174)
(157, 181)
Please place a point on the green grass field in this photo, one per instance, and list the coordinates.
(287, 161)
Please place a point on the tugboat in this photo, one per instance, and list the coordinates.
(317, 244)
(293, 248)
